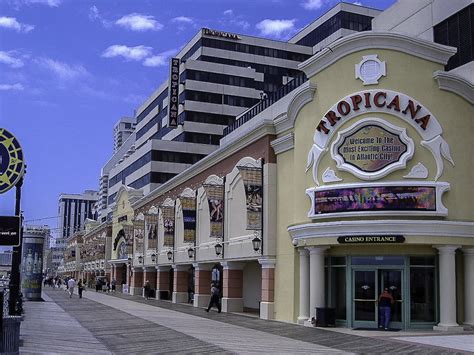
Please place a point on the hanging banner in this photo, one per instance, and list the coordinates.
(252, 177)
(138, 235)
(215, 198)
(151, 228)
(188, 205)
(168, 224)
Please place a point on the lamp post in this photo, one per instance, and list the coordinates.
(153, 258)
(218, 247)
(169, 254)
(140, 259)
(191, 253)
(256, 241)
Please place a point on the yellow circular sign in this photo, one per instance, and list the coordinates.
(12, 164)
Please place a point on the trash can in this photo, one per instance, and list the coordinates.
(11, 334)
(325, 317)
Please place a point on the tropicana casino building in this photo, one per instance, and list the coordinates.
(353, 178)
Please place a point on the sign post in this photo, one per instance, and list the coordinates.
(12, 170)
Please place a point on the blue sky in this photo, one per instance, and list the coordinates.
(70, 69)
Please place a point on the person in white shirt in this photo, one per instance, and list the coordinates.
(71, 284)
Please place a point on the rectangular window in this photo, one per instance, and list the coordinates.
(457, 31)
(422, 294)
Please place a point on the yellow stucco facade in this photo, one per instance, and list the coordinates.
(333, 77)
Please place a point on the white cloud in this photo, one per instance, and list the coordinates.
(160, 60)
(62, 70)
(50, 3)
(182, 19)
(8, 59)
(129, 53)
(276, 28)
(137, 22)
(7, 87)
(231, 19)
(155, 61)
(94, 15)
(11, 22)
(312, 4)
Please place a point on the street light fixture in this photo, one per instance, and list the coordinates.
(169, 254)
(153, 257)
(140, 259)
(256, 242)
(191, 253)
(218, 248)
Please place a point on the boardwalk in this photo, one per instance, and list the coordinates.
(123, 324)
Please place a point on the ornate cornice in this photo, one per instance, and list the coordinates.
(283, 143)
(451, 82)
(359, 41)
(428, 228)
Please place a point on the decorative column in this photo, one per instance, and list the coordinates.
(447, 289)
(267, 304)
(162, 282)
(202, 284)
(232, 300)
(180, 284)
(137, 281)
(129, 276)
(112, 276)
(304, 286)
(468, 286)
(316, 279)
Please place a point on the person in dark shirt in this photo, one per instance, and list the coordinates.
(385, 308)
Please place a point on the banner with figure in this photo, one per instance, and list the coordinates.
(252, 177)
(188, 205)
(139, 234)
(151, 230)
(168, 224)
(215, 198)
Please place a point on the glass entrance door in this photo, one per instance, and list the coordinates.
(367, 286)
(392, 279)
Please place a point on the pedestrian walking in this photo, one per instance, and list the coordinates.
(385, 308)
(146, 289)
(71, 283)
(113, 284)
(80, 287)
(215, 301)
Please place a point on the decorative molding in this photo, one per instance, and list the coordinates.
(283, 143)
(425, 228)
(379, 70)
(439, 148)
(419, 171)
(187, 192)
(303, 95)
(214, 180)
(267, 263)
(451, 82)
(168, 203)
(396, 165)
(430, 133)
(329, 175)
(360, 41)
(153, 210)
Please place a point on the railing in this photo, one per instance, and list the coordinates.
(265, 103)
